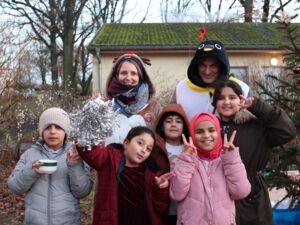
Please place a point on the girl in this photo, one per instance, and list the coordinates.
(131, 88)
(130, 189)
(206, 182)
(260, 129)
(51, 198)
(171, 124)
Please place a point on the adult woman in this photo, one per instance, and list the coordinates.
(130, 87)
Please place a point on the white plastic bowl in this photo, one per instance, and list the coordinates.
(50, 165)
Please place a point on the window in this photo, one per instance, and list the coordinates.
(240, 73)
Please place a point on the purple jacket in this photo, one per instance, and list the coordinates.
(206, 196)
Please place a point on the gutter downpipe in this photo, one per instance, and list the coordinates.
(98, 69)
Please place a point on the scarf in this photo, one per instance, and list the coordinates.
(124, 93)
(214, 153)
(129, 100)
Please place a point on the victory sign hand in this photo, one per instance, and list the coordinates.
(246, 102)
(228, 145)
(163, 180)
(73, 156)
(189, 147)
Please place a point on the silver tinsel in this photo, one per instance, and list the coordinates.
(93, 123)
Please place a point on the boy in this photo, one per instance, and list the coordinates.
(51, 198)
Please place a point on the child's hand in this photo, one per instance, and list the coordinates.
(98, 95)
(246, 102)
(163, 180)
(74, 157)
(36, 165)
(189, 147)
(229, 146)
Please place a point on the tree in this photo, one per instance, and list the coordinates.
(171, 10)
(56, 25)
(287, 96)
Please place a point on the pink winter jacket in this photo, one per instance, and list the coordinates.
(206, 196)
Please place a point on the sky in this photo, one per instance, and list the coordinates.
(136, 9)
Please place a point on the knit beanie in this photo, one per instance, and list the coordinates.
(55, 116)
(207, 49)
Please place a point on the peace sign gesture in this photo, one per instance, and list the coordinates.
(189, 147)
(163, 180)
(246, 102)
(228, 145)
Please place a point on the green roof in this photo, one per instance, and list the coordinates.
(185, 35)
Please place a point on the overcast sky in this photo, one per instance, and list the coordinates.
(136, 10)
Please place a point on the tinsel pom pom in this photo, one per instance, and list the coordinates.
(93, 123)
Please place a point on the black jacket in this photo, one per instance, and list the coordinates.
(258, 131)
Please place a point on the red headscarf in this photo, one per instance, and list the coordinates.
(214, 153)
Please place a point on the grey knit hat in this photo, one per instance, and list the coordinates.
(55, 116)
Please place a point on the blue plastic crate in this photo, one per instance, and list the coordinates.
(286, 216)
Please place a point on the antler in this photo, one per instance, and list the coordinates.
(145, 60)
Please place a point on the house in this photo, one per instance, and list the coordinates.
(254, 49)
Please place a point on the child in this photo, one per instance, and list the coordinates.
(260, 129)
(130, 189)
(206, 182)
(171, 124)
(51, 198)
(131, 88)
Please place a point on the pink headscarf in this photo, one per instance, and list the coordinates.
(213, 119)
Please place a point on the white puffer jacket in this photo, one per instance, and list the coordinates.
(51, 199)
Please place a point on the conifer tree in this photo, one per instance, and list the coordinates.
(287, 96)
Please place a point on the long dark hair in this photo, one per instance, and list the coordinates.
(136, 131)
(228, 83)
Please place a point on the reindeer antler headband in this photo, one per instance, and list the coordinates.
(132, 56)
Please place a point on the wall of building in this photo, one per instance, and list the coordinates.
(168, 68)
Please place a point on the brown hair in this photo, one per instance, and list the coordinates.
(142, 73)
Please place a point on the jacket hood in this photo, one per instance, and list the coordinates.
(171, 108)
(206, 49)
(39, 146)
(159, 152)
(243, 116)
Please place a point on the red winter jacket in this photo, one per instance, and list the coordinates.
(109, 163)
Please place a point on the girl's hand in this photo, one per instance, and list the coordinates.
(36, 165)
(228, 145)
(163, 180)
(74, 157)
(189, 147)
(246, 102)
(98, 95)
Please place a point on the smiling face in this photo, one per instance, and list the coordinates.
(54, 136)
(138, 149)
(128, 74)
(209, 70)
(227, 104)
(206, 136)
(173, 128)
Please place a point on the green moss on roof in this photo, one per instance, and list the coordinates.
(182, 35)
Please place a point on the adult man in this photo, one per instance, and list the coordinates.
(208, 67)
